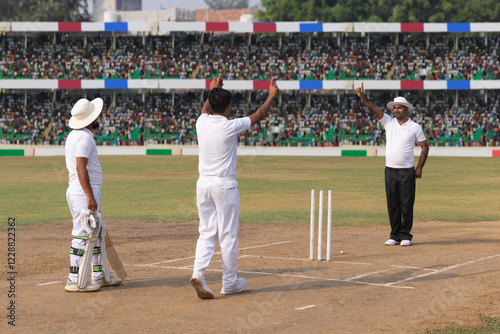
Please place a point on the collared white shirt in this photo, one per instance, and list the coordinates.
(217, 143)
(400, 141)
(80, 143)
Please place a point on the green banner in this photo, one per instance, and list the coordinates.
(159, 152)
(11, 153)
(353, 153)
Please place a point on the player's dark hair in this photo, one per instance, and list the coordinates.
(219, 99)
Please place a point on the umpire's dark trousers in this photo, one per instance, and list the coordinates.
(400, 193)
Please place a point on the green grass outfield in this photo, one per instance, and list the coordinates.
(272, 189)
(487, 325)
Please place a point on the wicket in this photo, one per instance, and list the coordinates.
(320, 226)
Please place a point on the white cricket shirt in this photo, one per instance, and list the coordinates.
(80, 143)
(400, 141)
(217, 144)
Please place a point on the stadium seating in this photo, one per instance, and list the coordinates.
(326, 120)
(258, 57)
(299, 118)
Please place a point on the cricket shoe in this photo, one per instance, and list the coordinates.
(201, 287)
(392, 242)
(112, 281)
(405, 242)
(73, 287)
(238, 287)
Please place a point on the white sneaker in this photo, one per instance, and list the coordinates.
(112, 281)
(73, 287)
(405, 242)
(392, 242)
(201, 287)
(239, 286)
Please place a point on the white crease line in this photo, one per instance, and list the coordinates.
(320, 278)
(442, 270)
(174, 260)
(308, 260)
(417, 268)
(212, 261)
(192, 257)
(368, 274)
(275, 257)
(305, 307)
(259, 246)
(296, 276)
(49, 283)
(190, 266)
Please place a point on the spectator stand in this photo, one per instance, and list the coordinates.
(162, 63)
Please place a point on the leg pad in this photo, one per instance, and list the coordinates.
(76, 251)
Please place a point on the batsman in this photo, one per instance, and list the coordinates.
(88, 251)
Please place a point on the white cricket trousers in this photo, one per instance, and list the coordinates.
(218, 204)
(77, 200)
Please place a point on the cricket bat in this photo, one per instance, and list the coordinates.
(113, 259)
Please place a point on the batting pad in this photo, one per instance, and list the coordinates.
(104, 253)
(88, 221)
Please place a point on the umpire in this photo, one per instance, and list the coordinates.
(400, 174)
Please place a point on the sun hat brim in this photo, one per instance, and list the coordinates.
(407, 104)
(97, 105)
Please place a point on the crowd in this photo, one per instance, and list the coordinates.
(64, 56)
(296, 119)
(294, 56)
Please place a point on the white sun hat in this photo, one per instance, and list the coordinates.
(398, 101)
(84, 112)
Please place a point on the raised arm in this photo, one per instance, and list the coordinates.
(215, 83)
(369, 103)
(261, 113)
